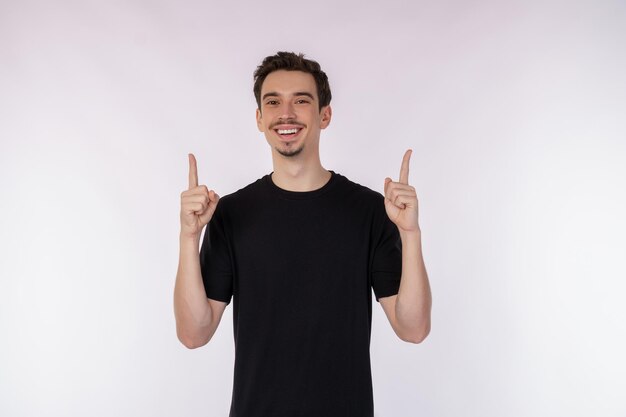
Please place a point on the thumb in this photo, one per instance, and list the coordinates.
(387, 181)
(205, 217)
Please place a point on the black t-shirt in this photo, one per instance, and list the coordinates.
(300, 267)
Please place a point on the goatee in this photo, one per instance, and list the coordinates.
(290, 151)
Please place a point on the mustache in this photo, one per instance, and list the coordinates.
(287, 122)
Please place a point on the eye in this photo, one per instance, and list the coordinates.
(301, 101)
(271, 102)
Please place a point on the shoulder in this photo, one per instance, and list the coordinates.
(360, 199)
(249, 191)
(353, 190)
(243, 197)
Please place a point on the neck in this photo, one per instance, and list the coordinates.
(297, 174)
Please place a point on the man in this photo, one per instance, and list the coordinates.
(300, 250)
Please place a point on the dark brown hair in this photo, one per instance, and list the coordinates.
(290, 61)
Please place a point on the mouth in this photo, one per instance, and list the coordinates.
(288, 133)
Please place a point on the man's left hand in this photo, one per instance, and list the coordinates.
(401, 199)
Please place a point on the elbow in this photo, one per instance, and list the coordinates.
(418, 335)
(192, 344)
(192, 341)
(416, 339)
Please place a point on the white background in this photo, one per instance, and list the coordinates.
(516, 114)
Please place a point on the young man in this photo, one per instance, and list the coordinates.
(299, 251)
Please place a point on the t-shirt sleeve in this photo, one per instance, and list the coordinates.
(387, 259)
(215, 260)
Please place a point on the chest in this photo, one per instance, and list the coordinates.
(303, 249)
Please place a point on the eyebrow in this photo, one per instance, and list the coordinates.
(299, 93)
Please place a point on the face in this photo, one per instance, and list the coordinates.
(290, 116)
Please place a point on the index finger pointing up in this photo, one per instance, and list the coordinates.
(193, 172)
(404, 169)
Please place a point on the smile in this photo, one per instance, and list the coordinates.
(288, 133)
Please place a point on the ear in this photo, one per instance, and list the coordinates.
(259, 120)
(326, 114)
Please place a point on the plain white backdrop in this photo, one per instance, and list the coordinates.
(516, 115)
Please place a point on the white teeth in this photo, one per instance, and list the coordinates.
(286, 131)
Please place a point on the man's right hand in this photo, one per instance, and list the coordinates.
(198, 204)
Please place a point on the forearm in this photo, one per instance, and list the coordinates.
(413, 303)
(191, 307)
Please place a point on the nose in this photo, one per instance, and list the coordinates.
(287, 110)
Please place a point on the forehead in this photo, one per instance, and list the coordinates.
(289, 82)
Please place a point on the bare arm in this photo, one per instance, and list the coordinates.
(409, 310)
(197, 316)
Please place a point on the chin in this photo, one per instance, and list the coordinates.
(290, 152)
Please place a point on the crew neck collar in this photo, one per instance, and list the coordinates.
(301, 195)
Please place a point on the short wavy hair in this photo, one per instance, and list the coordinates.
(290, 61)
